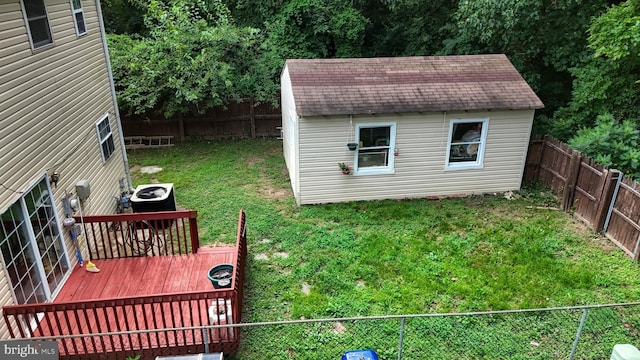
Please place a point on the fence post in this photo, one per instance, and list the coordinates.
(578, 333)
(252, 115)
(570, 183)
(606, 199)
(636, 248)
(401, 337)
(181, 127)
(536, 176)
(612, 204)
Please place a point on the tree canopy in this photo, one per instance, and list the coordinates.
(192, 59)
(184, 56)
(607, 81)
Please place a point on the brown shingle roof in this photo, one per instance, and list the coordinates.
(408, 84)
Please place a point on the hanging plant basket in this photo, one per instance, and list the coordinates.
(352, 146)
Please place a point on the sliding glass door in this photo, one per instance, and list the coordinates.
(32, 247)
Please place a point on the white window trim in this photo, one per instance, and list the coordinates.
(75, 23)
(377, 170)
(28, 26)
(102, 141)
(467, 165)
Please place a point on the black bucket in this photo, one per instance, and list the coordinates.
(221, 276)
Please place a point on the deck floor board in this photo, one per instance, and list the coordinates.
(138, 276)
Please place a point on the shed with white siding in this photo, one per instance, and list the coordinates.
(418, 127)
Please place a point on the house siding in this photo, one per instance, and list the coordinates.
(50, 100)
(420, 166)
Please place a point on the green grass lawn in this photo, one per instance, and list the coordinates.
(390, 257)
(387, 257)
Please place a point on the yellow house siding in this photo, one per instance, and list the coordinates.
(420, 167)
(50, 101)
(6, 297)
(13, 33)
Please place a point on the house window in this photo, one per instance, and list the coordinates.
(466, 143)
(38, 24)
(375, 148)
(78, 17)
(106, 138)
(33, 252)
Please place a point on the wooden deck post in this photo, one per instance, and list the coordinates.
(568, 193)
(193, 231)
(605, 199)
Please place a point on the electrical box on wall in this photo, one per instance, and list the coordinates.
(83, 189)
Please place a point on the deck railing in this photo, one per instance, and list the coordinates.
(95, 319)
(238, 276)
(115, 328)
(141, 234)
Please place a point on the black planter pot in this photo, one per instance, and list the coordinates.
(221, 276)
(352, 146)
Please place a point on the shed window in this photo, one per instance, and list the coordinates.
(375, 145)
(466, 144)
(106, 138)
(78, 17)
(38, 23)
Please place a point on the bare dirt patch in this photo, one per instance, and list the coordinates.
(150, 169)
(252, 160)
(605, 244)
(283, 255)
(360, 283)
(581, 228)
(273, 193)
(214, 244)
(306, 289)
(261, 256)
(338, 328)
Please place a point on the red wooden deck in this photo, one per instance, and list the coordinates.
(157, 276)
(141, 305)
(149, 275)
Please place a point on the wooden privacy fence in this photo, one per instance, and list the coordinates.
(598, 196)
(243, 119)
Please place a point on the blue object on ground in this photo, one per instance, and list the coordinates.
(360, 355)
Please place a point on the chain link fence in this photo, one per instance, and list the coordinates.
(581, 332)
(588, 332)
